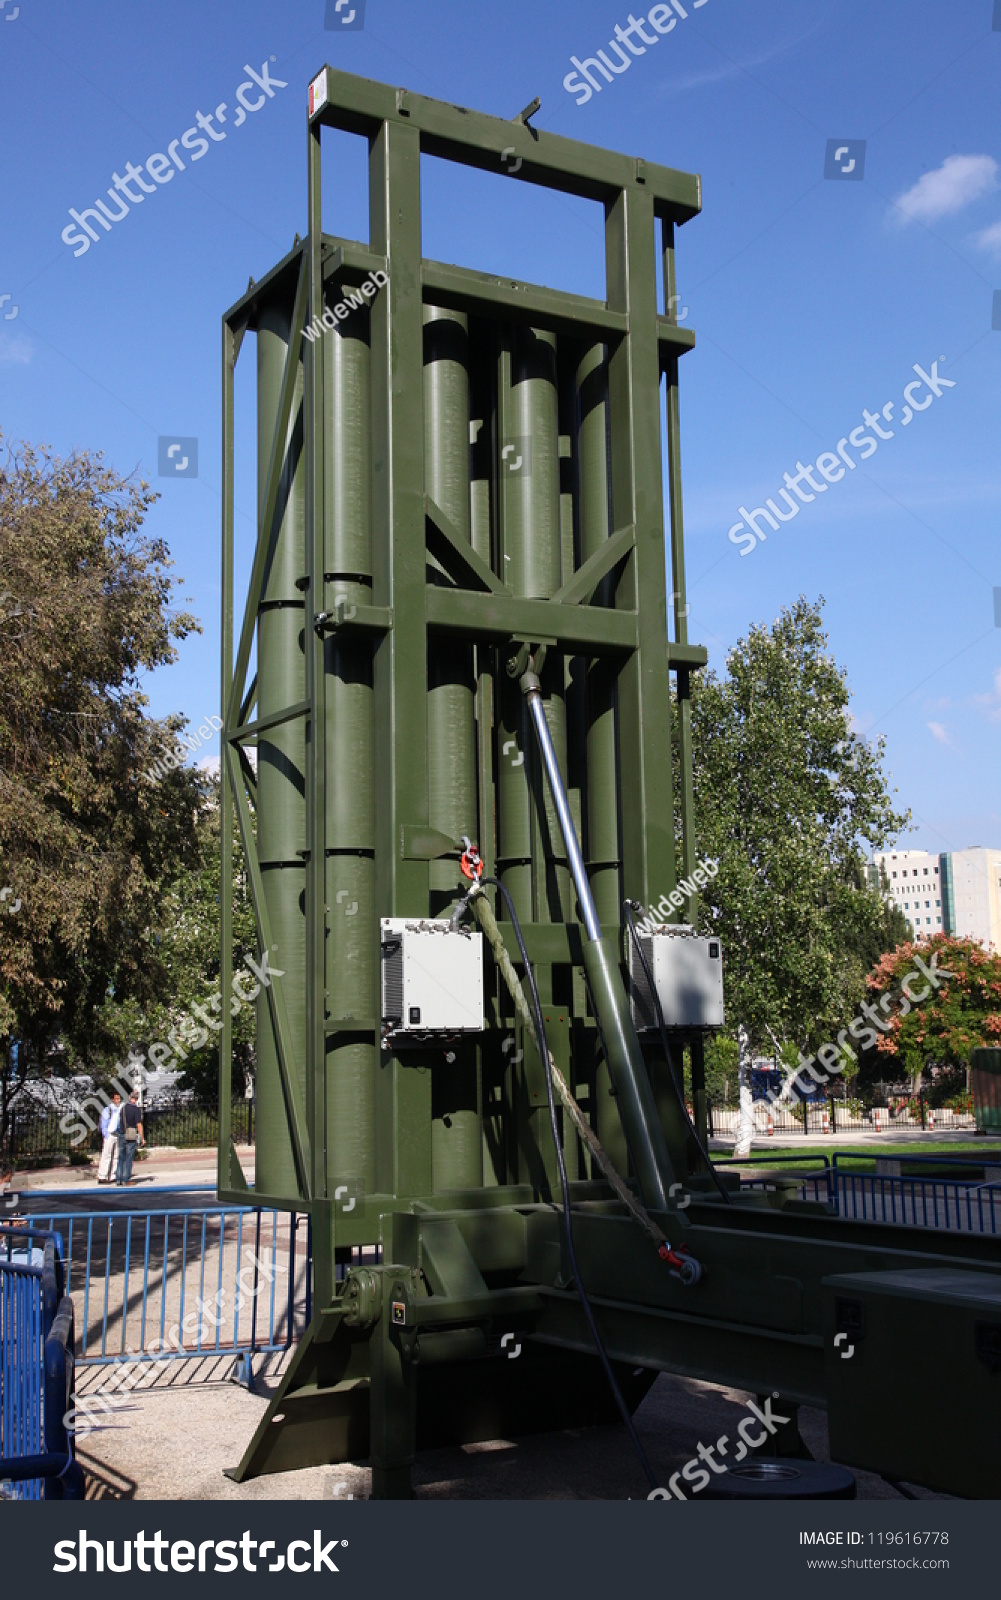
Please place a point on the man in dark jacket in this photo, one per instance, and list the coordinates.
(130, 1135)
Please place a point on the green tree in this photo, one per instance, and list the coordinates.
(183, 942)
(787, 797)
(85, 844)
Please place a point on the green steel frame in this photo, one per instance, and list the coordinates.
(399, 569)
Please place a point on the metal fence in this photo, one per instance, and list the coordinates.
(968, 1203)
(21, 1365)
(178, 1123)
(36, 1370)
(183, 1282)
(832, 1114)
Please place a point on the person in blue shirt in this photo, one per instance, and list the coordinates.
(109, 1133)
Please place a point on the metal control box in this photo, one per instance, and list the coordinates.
(687, 971)
(432, 979)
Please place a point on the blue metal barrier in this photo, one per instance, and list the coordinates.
(36, 1368)
(965, 1204)
(184, 1282)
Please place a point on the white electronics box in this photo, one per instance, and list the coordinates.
(687, 971)
(432, 979)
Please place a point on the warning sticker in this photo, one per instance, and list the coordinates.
(318, 93)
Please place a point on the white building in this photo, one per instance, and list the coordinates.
(958, 892)
(971, 885)
(914, 879)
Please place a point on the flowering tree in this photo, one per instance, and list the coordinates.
(941, 1027)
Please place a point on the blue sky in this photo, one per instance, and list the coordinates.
(811, 298)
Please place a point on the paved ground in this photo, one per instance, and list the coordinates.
(176, 1439)
(158, 1169)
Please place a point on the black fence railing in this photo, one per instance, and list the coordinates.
(864, 1113)
(182, 1124)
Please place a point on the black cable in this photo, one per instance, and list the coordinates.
(627, 906)
(540, 1033)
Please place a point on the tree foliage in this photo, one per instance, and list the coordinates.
(182, 944)
(85, 843)
(787, 795)
(940, 1030)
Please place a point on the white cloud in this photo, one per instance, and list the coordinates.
(949, 188)
(938, 732)
(990, 239)
(14, 351)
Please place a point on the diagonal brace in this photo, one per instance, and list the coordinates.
(271, 498)
(276, 999)
(462, 561)
(587, 578)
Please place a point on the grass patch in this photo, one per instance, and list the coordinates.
(863, 1161)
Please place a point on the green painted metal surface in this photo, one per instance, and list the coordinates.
(459, 471)
(985, 1082)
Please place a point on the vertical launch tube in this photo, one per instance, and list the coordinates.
(352, 922)
(456, 1134)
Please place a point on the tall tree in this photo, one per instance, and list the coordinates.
(182, 947)
(85, 844)
(787, 795)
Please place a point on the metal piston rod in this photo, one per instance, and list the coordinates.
(640, 1123)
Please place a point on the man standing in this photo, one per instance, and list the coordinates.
(110, 1118)
(130, 1135)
